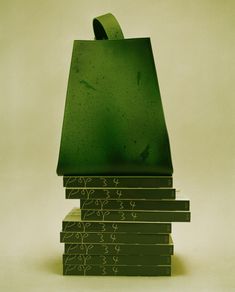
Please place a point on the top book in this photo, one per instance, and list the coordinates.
(114, 122)
(118, 181)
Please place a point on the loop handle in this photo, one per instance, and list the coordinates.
(107, 27)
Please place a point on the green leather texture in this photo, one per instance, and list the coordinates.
(113, 120)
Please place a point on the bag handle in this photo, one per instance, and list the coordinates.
(107, 27)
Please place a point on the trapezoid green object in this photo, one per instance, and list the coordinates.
(113, 121)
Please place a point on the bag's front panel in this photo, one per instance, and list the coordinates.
(114, 122)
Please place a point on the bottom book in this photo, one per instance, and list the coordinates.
(122, 270)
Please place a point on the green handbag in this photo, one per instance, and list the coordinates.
(113, 120)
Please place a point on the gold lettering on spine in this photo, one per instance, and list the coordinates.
(117, 248)
(132, 204)
(119, 193)
(101, 237)
(115, 259)
(116, 181)
(104, 261)
(115, 227)
(113, 237)
(115, 270)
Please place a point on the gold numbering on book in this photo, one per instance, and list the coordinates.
(101, 237)
(103, 227)
(115, 227)
(104, 262)
(116, 181)
(117, 248)
(104, 182)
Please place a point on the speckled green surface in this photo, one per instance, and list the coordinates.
(113, 120)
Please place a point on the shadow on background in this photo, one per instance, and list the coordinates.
(53, 265)
(178, 267)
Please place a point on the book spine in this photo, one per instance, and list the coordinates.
(113, 270)
(83, 237)
(167, 205)
(134, 227)
(122, 193)
(160, 216)
(82, 259)
(125, 182)
(119, 249)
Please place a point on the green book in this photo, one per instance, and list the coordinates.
(101, 237)
(124, 215)
(120, 193)
(112, 270)
(129, 260)
(119, 249)
(168, 205)
(118, 181)
(72, 222)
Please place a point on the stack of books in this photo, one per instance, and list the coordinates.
(123, 226)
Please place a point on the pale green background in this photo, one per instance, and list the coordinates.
(193, 43)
